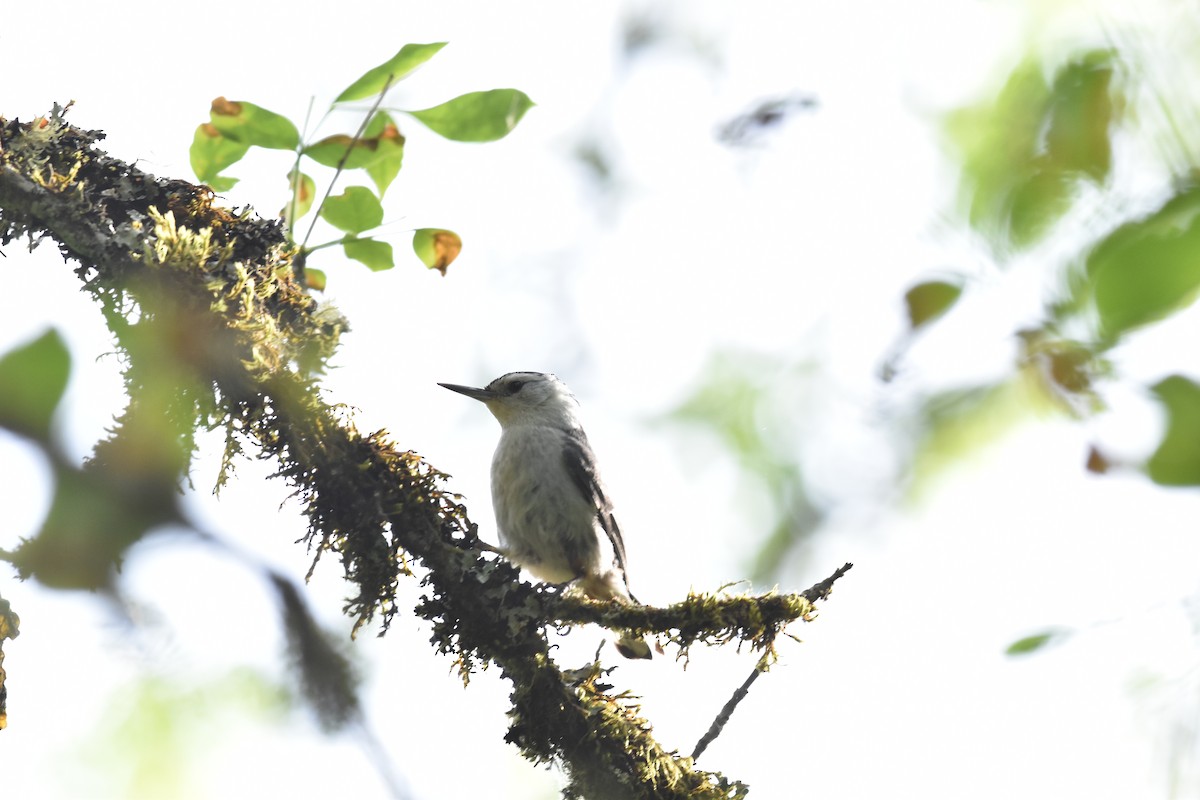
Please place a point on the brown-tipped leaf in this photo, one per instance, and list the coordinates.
(436, 247)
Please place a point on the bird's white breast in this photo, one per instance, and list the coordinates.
(545, 522)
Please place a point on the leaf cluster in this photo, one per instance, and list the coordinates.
(376, 150)
(1039, 158)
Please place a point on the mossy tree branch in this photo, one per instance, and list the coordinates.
(216, 333)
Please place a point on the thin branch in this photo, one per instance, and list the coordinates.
(718, 724)
(821, 590)
(346, 157)
(293, 202)
(818, 591)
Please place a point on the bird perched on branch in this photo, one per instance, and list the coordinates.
(554, 517)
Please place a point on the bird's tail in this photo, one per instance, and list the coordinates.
(632, 646)
(613, 586)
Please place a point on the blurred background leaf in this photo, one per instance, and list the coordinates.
(1024, 150)
(1148, 268)
(928, 300)
(158, 731)
(33, 377)
(738, 403)
(1035, 642)
(1176, 462)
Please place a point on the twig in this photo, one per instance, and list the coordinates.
(718, 724)
(295, 184)
(821, 590)
(346, 157)
(818, 591)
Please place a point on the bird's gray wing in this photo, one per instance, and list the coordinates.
(580, 463)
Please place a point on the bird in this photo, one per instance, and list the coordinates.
(553, 514)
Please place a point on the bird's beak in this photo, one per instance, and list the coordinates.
(479, 394)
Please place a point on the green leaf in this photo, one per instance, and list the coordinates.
(315, 279)
(94, 517)
(1031, 644)
(744, 403)
(331, 150)
(998, 140)
(1147, 269)
(1082, 110)
(253, 125)
(34, 377)
(303, 191)
(1036, 203)
(477, 116)
(395, 68)
(1025, 150)
(222, 183)
(1176, 462)
(957, 423)
(389, 151)
(211, 153)
(436, 247)
(929, 300)
(376, 255)
(355, 210)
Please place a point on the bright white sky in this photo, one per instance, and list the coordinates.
(799, 249)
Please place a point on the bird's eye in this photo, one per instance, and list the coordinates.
(515, 387)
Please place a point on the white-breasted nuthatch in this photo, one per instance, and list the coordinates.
(554, 517)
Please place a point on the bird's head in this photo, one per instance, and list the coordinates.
(525, 398)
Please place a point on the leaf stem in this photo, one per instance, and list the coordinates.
(345, 157)
(293, 202)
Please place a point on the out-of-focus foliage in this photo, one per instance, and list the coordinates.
(377, 148)
(929, 300)
(1025, 150)
(737, 403)
(955, 423)
(34, 377)
(1035, 642)
(750, 127)
(158, 731)
(95, 515)
(327, 677)
(1148, 268)
(1176, 462)
(1045, 164)
(1030, 156)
